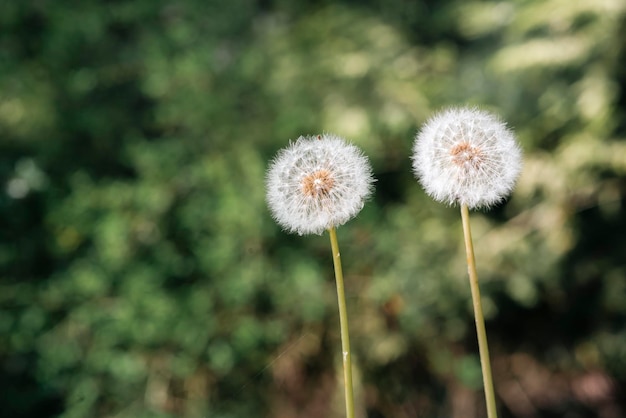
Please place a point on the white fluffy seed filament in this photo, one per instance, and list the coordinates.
(318, 184)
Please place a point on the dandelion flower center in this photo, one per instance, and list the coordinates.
(466, 156)
(318, 184)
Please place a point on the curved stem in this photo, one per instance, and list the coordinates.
(479, 318)
(343, 321)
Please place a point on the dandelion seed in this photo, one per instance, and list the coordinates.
(317, 183)
(466, 156)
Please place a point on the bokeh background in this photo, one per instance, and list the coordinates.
(142, 276)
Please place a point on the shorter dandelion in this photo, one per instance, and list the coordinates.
(469, 157)
(317, 184)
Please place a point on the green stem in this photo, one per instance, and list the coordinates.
(343, 321)
(490, 396)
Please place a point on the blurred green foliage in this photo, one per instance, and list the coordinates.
(141, 274)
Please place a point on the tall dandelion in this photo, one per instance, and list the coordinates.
(317, 184)
(468, 157)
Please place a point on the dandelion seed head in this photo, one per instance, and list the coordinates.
(466, 156)
(317, 183)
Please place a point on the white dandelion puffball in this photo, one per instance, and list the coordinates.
(317, 183)
(466, 156)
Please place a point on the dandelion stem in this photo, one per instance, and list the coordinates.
(479, 318)
(343, 321)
